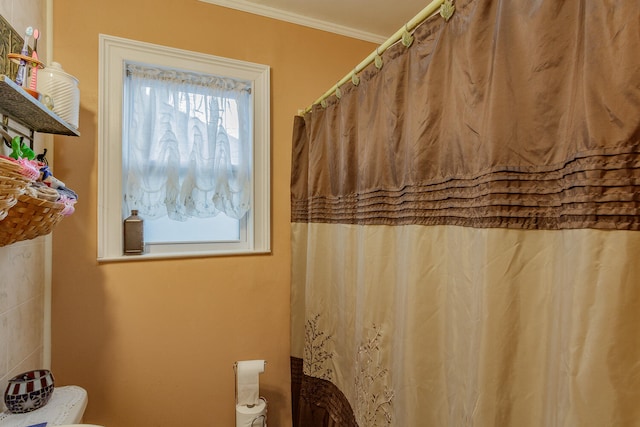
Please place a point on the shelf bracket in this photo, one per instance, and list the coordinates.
(30, 135)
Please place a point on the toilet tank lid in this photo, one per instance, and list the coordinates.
(66, 406)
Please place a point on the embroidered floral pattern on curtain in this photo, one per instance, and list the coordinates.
(188, 151)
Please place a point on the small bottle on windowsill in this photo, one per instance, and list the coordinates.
(133, 234)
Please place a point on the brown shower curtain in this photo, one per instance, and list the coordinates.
(465, 226)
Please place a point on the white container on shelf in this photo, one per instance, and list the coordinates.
(63, 90)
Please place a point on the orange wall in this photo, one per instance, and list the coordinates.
(154, 342)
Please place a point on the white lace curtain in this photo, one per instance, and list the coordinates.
(187, 150)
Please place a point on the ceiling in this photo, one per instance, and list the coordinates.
(371, 20)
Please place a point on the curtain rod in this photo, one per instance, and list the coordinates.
(429, 10)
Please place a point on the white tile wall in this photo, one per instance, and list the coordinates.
(21, 309)
(22, 264)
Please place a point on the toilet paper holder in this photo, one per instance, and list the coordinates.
(235, 374)
(259, 420)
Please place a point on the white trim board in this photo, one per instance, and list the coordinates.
(294, 18)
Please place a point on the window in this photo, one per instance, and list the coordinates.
(184, 139)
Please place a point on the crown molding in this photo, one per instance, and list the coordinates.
(294, 18)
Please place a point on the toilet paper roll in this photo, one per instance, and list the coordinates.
(248, 385)
(252, 417)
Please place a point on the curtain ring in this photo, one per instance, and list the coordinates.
(338, 92)
(377, 60)
(407, 38)
(446, 9)
(323, 103)
(354, 78)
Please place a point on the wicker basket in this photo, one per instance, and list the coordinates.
(12, 185)
(10, 189)
(29, 218)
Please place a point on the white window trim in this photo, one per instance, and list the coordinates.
(114, 51)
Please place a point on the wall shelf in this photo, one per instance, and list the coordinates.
(27, 216)
(18, 105)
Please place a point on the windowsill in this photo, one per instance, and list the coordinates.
(180, 255)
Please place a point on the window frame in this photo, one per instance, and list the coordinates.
(114, 52)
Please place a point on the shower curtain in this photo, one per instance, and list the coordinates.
(465, 226)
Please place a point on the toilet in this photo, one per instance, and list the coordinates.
(65, 408)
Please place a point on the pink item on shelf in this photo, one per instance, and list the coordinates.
(69, 205)
(30, 168)
(33, 84)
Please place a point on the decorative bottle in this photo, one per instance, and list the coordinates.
(133, 234)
